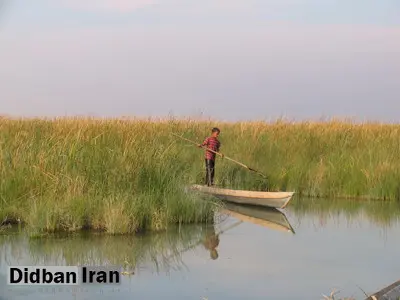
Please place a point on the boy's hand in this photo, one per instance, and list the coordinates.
(199, 145)
(222, 155)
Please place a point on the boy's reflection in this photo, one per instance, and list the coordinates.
(211, 241)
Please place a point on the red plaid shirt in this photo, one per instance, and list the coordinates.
(213, 144)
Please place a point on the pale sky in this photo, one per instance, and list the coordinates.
(227, 59)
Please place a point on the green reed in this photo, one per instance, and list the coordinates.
(123, 176)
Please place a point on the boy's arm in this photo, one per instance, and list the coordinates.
(204, 143)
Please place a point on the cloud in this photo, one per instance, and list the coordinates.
(121, 6)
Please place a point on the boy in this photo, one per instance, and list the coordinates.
(214, 144)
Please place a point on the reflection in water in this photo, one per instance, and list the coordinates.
(211, 242)
(134, 252)
(263, 216)
(314, 261)
(266, 217)
(383, 214)
(163, 250)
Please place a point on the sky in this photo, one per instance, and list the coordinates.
(228, 60)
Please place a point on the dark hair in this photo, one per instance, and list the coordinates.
(215, 129)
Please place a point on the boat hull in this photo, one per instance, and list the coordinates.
(265, 199)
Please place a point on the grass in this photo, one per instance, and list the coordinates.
(125, 176)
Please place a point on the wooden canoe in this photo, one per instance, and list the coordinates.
(390, 292)
(263, 216)
(266, 199)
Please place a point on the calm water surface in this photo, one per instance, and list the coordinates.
(326, 245)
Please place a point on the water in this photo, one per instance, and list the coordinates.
(347, 246)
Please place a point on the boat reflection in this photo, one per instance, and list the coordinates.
(263, 216)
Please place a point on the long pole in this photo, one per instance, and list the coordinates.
(224, 156)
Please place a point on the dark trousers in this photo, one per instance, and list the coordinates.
(210, 171)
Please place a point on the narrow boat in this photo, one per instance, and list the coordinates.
(390, 292)
(266, 199)
(263, 216)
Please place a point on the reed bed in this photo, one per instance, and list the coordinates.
(127, 175)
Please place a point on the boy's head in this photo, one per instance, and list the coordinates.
(215, 132)
(214, 254)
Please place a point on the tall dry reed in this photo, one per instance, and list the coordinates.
(128, 175)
